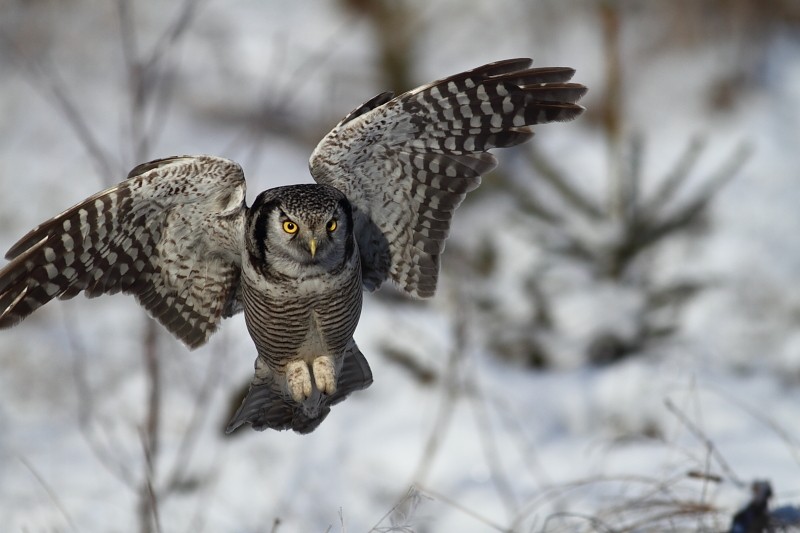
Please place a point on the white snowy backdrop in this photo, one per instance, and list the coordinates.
(566, 376)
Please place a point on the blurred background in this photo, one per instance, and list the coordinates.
(615, 342)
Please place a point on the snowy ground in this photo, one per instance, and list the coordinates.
(519, 445)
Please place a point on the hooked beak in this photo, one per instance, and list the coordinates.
(312, 246)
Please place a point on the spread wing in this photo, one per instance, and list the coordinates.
(406, 163)
(171, 235)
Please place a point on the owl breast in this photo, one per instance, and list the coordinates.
(302, 318)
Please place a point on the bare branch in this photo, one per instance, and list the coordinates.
(53, 88)
(596, 523)
(466, 510)
(176, 30)
(689, 212)
(189, 438)
(149, 434)
(632, 181)
(51, 494)
(87, 411)
(612, 114)
(485, 432)
(406, 506)
(148, 501)
(708, 443)
(673, 181)
(136, 80)
(526, 199)
(559, 181)
(450, 392)
(792, 443)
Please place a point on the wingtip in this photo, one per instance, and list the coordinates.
(501, 67)
(570, 112)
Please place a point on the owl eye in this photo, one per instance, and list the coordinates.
(332, 225)
(289, 227)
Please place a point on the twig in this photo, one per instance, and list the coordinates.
(152, 362)
(596, 523)
(676, 177)
(527, 199)
(396, 506)
(727, 171)
(50, 493)
(136, 80)
(485, 431)
(466, 510)
(148, 501)
(219, 460)
(143, 79)
(53, 88)
(686, 509)
(199, 413)
(392, 26)
(792, 442)
(688, 213)
(561, 184)
(662, 509)
(142, 76)
(556, 491)
(632, 183)
(145, 76)
(441, 423)
(611, 21)
(278, 98)
(646, 231)
(86, 407)
(709, 444)
(514, 419)
(177, 28)
(450, 393)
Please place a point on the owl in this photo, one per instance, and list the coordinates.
(177, 233)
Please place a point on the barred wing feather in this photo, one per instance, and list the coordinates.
(407, 163)
(170, 235)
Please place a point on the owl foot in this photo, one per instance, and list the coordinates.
(298, 379)
(325, 374)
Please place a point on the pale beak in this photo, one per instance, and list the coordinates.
(312, 245)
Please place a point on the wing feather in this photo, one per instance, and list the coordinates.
(171, 235)
(407, 163)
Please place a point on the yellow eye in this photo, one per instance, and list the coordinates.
(332, 225)
(289, 227)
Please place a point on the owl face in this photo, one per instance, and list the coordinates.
(302, 229)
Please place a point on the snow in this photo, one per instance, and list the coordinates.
(488, 441)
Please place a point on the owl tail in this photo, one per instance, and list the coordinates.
(266, 406)
(355, 375)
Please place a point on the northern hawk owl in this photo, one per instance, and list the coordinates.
(178, 235)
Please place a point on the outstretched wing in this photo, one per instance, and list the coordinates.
(407, 163)
(171, 235)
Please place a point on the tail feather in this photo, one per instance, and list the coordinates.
(355, 375)
(267, 406)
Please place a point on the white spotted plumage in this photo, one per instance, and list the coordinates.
(178, 235)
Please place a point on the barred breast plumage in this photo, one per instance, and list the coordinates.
(302, 304)
(178, 235)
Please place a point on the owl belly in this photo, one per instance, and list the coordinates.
(303, 320)
(314, 344)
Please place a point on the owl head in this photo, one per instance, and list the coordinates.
(301, 229)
